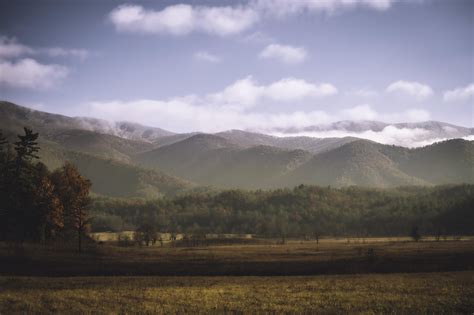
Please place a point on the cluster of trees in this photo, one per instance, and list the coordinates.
(305, 211)
(37, 205)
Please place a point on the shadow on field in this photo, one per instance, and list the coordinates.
(298, 258)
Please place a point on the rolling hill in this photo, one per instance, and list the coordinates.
(130, 160)
(99, 144)
(213, 160)
(360, 163)
(446, 162)
(14, 117)
(312, 145)
(113, 178)
(366, 163)
(103, 158)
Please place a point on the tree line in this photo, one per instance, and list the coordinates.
(304, 211)
(37, 205)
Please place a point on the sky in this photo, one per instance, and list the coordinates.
(256, 65)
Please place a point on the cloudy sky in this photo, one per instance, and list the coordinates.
(258, 64)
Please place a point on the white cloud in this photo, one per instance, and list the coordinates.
(281, 8)
(28, 73)
(459, 94)
(284, 53)
(181, 114)
(63, 52)
(414, 115)
(183, 19)
(11, 48)
(226, 20)
(227, 109)
(366, 93)
(241, 94)
(258, 37)
(222, 110)
(176, 19)
(361, 112)
(184, 115)
(206, 56)
(366, 112)
(247, 92)
(291, 89)
(392, 135)
(416, 89)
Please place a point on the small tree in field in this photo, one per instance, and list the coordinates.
(147, 234)
(415, 233)
(282, 227)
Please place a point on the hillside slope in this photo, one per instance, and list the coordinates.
(366, 163)
(445, 162)
(359, 163)
(113, 178)
(213, 160)
(313, 145)
(13, 117)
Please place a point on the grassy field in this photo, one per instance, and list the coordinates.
(419, 293)
(368, 276)
(330, 256)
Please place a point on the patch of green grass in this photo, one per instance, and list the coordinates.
(369, 294)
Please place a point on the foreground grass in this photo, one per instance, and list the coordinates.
(448, 293)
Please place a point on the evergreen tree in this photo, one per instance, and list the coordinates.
(3, 183)
(19, 186)
(3, 142)
(27, 147)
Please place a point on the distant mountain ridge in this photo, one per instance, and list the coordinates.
(13, 116)
(442, 129)
(130, 160)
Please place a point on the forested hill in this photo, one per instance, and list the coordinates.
(301, 211)
(133, 161)
(220, 163)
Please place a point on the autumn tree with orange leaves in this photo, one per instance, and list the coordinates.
(72, 190)
(35, 204)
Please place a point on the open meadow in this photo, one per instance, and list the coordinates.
(246, 257)
(417, 293)
(369, 276)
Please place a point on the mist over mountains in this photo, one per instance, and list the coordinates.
(126, 159)
(403, 134)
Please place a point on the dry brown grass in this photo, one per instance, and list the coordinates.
(294, 258)
(422, 293)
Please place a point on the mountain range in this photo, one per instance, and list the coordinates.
(125, 159)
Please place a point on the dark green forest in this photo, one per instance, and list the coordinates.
(304, 211)
(37, 204)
